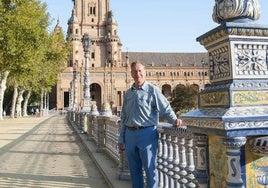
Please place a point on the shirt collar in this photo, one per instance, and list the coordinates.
(144, 86)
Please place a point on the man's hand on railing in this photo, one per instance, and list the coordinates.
(121, 147)
(178, 123)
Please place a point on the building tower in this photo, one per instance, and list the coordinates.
(94, 18)
(109, 66)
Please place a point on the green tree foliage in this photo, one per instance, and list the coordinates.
(56, 57)
(23, 30)
(185, 98)
(31, 55)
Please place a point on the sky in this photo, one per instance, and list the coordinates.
(155, 25)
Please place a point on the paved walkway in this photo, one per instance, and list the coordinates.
(45, 152)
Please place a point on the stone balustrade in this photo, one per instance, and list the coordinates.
(181, 156)
(186, 157)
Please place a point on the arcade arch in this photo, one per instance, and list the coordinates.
(95, 91)
(166, 90)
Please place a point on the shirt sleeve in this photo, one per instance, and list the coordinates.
(122, 129)
(164, 108)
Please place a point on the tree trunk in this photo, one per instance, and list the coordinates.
(47, 106)
(18, 103)
(25, 104)
(3, 81)
(42, 102)
(13, 105)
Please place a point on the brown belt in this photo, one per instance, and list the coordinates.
(136, 128)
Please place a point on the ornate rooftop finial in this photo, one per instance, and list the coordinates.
(236, 11)
(73, 18)
(111, 18)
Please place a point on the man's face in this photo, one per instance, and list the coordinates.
(138, 73)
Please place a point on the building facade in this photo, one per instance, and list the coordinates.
(110, 67)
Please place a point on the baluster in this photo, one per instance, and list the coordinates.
(182, 163)
(170, 161)
(95, 129)
(72, 116)
(81, 121)
(176, 161)
(101, 134)
(190, 163)
(77, 121)
(165, 163)
(90, 127)
(160, 161)
(124, 173)
(201, 163)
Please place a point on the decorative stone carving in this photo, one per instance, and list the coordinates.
(106, 109)
(236, 10)
(251, 59)
(262, 177)
(94, 110)
(259, 145)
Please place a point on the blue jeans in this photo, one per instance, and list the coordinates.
(141, 150)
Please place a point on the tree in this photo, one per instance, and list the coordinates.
(186, 98)
(23, 33)
(54, 63)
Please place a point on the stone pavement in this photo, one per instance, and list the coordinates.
(47, 152)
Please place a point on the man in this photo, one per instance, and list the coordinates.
(143, 105)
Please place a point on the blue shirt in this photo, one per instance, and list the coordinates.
(143, 106)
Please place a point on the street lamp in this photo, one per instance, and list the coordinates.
(74, 94)
(203, 73)
(86, 45)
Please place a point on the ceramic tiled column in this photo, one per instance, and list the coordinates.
(236, 103)
(233, 156)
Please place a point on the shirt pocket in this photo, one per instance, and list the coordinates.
(130, 102)
(146, 101)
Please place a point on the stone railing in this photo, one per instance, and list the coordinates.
(179, 159)
(187, 157)
(181, 156)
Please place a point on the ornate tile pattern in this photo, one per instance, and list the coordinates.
(251, 59)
